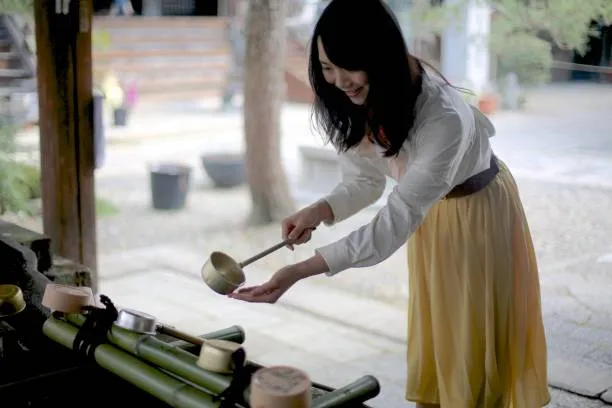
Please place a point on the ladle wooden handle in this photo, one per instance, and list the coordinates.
(269, 250)
(180, 335)
(264, 253)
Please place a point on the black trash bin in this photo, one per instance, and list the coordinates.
(169, 185)
(120, 116)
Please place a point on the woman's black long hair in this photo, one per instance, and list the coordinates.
(363, 35)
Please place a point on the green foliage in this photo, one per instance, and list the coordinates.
(16, 6)
(20, 183)
(105, 208)
(523, 32)
(566, 22)
(426, 20)
(29, 179)
(12, 197)
(526, 55)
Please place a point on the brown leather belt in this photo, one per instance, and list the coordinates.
(475, 183)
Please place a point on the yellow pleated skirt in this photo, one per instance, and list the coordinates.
(475, 332)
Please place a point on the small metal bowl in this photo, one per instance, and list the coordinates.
(11, 300)
(136, 321)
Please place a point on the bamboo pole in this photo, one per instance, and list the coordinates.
(357, 392)
(233, 333)
(163, 355)
(147, 378)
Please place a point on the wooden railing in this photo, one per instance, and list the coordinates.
(572, 66)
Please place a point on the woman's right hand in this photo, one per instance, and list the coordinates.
(298, 227)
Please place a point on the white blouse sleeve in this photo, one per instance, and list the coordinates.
(429, 177)
(362, 184)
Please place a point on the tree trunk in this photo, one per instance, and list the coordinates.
(264, 89)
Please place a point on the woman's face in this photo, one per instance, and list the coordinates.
(353, 83)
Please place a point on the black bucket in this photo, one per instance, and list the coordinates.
(120, 116)
(169, 185)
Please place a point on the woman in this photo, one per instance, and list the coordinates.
(476, 336)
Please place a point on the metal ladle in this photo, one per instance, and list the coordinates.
(12, 301)
(224, 275)
(140, 322)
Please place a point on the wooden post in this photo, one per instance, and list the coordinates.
(65, 88)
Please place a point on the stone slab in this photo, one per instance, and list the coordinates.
(310, 296)
(295, 330)
(578, 377)
(607, 396)
(564, 399)
(40, 244)
(274, 334)
(314, 297)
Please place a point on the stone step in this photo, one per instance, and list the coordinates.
(9, 60)
(14, 73)
(176, 75)
(6, 45)
(164, 47)
(6, 91)
(9, 82)
(163, 66)
(160, 53)
(119, 37)
(7, 55)
(137, 66)
(172, 55)
(165, 95)
(158, 23)
(177, 83)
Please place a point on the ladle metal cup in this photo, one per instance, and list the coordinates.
(224, 275)
(139, 322)
(12, 301)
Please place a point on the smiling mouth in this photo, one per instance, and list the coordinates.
(356, 92)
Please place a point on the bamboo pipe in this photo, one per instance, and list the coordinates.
(147, 378)
(357, 392)
(233, 333)
(184, 366)
(163, 355)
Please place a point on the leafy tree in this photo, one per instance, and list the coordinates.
(16, 6)
(16, 188)
(524, 32)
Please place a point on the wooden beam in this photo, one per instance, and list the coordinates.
(572, 66)
(65, 94)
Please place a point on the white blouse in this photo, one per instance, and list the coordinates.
(448, 144)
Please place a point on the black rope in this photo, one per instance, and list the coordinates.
(97, 325)
(241, 379)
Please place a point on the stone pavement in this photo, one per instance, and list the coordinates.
(575, 290)
(334, 335)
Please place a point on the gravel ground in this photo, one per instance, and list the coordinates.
(568, 224)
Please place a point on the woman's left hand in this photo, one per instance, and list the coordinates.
(270, 291)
